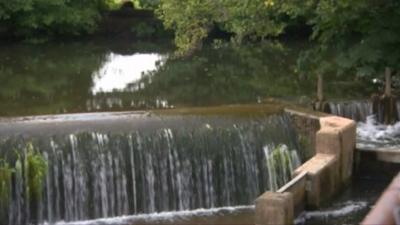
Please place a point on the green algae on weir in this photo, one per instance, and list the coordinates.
(5, 187)
(28, 172)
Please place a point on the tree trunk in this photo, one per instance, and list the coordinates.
(320, 88)
(388, 82)
(385, 106)
(320, 104)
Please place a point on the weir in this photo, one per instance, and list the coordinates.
(107, 166)
(357, 110)
(324, 175)
(373, 137)
(318, 179)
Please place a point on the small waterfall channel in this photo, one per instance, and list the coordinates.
(356, 110)
(371, 135)
(180, 164)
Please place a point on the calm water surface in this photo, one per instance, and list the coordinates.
(115, 75)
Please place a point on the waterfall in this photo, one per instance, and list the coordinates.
(355, 110)
(170, 168)
(281, 163)
(371, 133)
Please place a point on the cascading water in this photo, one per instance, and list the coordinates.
(195, 165)
(281, 163)
(371, 135)
(355, 110)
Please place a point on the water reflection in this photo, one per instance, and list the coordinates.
(229, 74)
(123, 75)
(120, 70)
(67, 77)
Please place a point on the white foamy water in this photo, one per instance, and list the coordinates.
(162, 217)
(372, 135)
(345, 209)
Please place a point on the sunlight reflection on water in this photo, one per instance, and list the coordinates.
(120, 70)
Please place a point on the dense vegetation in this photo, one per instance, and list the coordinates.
(348, 37)
(357, 37)
(32, 18)
(26, 167)
(37, 20)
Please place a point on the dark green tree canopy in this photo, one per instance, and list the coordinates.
(359, 36)
(42, 17)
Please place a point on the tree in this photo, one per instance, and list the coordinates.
(357, 35)
(360, 36)
(149, 4)
(32, 18)
(192, 20)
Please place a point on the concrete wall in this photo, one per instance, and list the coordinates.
(306, 124)
(318, 179)
(281, 206)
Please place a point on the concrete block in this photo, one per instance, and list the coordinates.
(315, 164)
(297, 186)
(335, 122)
(329, 182)
(348, 137)
(323, 178)
(328, 141)
(345, 132)
(318, 179)
(274, 208)
(306, 124)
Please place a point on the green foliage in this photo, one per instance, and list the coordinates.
(30, 169)
(32, 165)
(5, 182)
(356, 37)
(143, 30)
(138, 4)
(30, 18)
(378, 35)
(149, 4)
(192, 20)
(351, 37)
(35, 172)
(5, 188)
(280, 166)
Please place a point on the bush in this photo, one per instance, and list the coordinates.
(32, 18)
